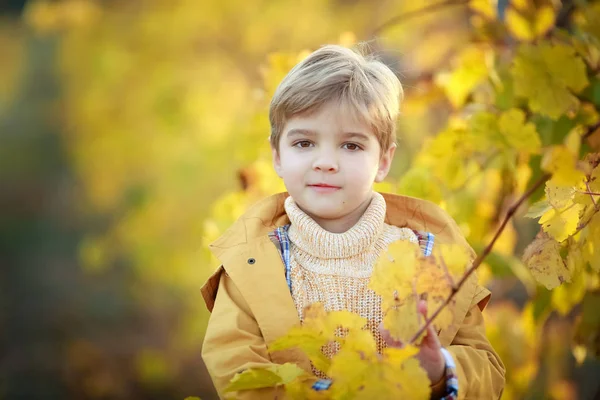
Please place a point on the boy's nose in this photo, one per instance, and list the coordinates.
(325, 164)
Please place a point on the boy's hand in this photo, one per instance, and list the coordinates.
(430, 355)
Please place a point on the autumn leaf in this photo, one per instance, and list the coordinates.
(538, 209)
(546, 74)
(318, 329)
(519, 134)
(527, 20)
(256, 378)
(470, 69)
(561, 223)
(393, 275)
(403, 321)
(559, 161)
(569, 294)
(455, 258)
(394, 375)
(543, 259)
(591, 243)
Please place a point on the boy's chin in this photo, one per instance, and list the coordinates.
(329, 210)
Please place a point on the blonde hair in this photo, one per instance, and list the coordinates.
(336, 73)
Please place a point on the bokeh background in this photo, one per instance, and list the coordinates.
(132, 133)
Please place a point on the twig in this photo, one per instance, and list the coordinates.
(447, 273)
(483, 255)
(412, 14)
(590, 193)
(583, 225)
(591, 130)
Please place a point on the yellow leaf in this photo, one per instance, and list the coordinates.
(546, 74)
(403, 321)
(559, 196)
(318, 329)
(349, 372)
(446, 317)
(559, 161)
(393, 275)
(419, 182)
(568, 295)
(561, 223)
(526, 21)
(519, 134)
(432, 279)
(580, 353)
(591, 243)
(302, 390)
(456, 258)
(256, 378)
(483, 7)
(470, 69)
(543, 259)
(414, 381)
(362, 342)
(573, 141)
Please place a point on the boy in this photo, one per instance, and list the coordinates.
(333, 120)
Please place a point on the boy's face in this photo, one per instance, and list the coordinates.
(329, 161)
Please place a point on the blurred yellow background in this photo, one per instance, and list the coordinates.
(134, 132)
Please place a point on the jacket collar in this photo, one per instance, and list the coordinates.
(402, 211)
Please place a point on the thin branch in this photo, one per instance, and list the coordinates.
(447, 273)
(584, 224)
(590, 193)
(511, 211)
(590, 131)
(416, 13)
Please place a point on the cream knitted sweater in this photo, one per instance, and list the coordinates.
(334, 268)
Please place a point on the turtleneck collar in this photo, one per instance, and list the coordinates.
(310, 237)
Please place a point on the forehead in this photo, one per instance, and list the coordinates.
(332, 117)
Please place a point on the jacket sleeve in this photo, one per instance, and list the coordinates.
(233, 342)
(479, 368)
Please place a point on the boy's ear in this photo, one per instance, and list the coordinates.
(276, 161)
(385, 163)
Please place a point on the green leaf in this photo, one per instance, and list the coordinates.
(592, 92)
(552, 132)
(546, 74)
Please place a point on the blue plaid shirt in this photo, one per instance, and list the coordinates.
(281, 238)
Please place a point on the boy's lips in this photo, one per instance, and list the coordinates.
(324, 187)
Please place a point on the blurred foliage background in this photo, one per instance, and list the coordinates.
(134, 132)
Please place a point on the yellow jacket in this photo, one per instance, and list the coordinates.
(251, 305)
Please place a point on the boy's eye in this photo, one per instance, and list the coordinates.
(303, 143)
(351, 146)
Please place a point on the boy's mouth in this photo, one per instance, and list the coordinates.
(324, 187)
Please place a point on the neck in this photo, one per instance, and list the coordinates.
(344, 223)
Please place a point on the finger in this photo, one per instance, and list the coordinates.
(422, 308)
(431, 338)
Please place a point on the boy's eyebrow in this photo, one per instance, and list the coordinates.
(301, 132)
(308, 132)
(356, 135)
